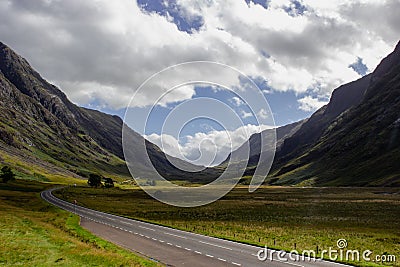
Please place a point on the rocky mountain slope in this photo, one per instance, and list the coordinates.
(41, 131)
(255, 147)
(354, 140)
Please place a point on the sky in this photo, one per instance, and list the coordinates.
(297, 52)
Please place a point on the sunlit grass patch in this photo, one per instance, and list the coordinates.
(34, 233)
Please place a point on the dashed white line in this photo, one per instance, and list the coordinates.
(222, 259)
(218, 246)
(235, 263)
(188, 249)
(175, 235)
(198, 252)
(210, 256)
(169, 244)
(147, 228)
(155, 239)
(177, 246)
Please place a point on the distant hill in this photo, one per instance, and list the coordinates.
(352, 141)
(41, 131)
(254, 144)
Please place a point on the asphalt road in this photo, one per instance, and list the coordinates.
(175, 247)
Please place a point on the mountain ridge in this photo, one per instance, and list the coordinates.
(360, 123)
(37, 118)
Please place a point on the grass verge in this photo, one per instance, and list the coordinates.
(34, 233)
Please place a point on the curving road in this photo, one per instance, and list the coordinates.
(175, 247)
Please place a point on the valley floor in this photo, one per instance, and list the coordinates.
(280, 217)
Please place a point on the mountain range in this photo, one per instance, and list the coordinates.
(352, 141)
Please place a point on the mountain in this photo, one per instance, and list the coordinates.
(43, 134)
(353, 140)
(254, 144)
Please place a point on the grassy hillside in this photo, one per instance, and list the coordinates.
(34, 233)
(41, 128)
(352, 141)
(361, 147)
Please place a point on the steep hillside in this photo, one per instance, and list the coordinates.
(343, 98)
(254, 143)
(40, 129)
(39, 126)
(354, 140)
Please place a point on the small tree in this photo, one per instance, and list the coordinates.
(7, 174)
(108, 182)
(94, 180)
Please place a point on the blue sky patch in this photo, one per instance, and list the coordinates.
(170, 9)
(263, 3)
(359, 67)
(296, 8)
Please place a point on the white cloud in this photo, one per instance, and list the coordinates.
(244, 114)
(236, 101)
(103, 50)
(309, 103)
(262, 114)
(205, 149)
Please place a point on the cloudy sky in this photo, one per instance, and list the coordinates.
(297, 52)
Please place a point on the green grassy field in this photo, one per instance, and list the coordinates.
(34, 233)
(279, 217)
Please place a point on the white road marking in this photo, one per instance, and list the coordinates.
(169, 244)
(218, 246)
(146, 228)
(178, 246)
(188, 249)
(198, 252)
(222, 259)
(235, 263)
(208, 255)
(175, 235)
